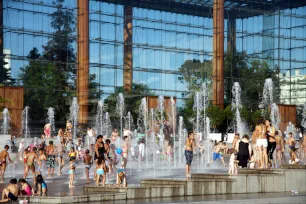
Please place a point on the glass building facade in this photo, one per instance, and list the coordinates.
(165, 34)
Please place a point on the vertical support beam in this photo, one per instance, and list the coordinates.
(83, 59)
(128, 50)
(218, 53)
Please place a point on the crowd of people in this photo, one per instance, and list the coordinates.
(265, 149)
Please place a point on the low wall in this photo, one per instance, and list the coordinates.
(289, 177)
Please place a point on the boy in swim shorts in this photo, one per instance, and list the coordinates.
(88, 162)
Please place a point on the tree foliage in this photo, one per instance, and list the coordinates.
(49, 78)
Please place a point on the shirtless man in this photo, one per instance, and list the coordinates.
(51, 152)
(31, 157)
(235, 141)
(3, 155)
(279, 148)
(262, 144)
(10, 193)
(270, 131)
(189, 147)
(88, 162)
(219, 149)
(291, 145)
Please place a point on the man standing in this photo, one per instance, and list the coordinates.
(3, 155)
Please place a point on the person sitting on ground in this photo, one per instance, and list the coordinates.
(3, 155)
(10, 193)
(101, 171)
(88, 162)
(25, 188)
(41, 186)
(121, 178)
(233, 164)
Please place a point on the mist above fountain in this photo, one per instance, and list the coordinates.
(50, 118)
(120, 108)
(99, 118)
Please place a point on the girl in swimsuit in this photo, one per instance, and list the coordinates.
(71, 173)
(26, 189)
(99, 151)
(88, 162)
(101, 171)
(41, 185)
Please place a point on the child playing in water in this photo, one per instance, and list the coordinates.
(41, 160)
(71, 173)
(121, 178)
(72, 156)
(41, 186)
(88, 162)
(25, 158)
(26, 189)
(233, 164)
(101, 171)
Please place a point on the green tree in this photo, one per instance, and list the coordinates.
(216, 116)
(5, 73)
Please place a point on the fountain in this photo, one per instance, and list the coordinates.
(236, 105)
(74, 111)
(120, 111)
(6, 121)
(205, 101)
(107, 125)
(303, 123)
(143, 125)
(99, 118)
(129, 122)
(153, 135)
(25, 122)
(172, 120)
(274, 116)
(50, 118)
(268, 92)
(181, 139)
(160, 109)
(197, 107)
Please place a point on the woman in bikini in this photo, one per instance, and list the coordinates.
(189, 146)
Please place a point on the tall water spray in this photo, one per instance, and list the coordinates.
(267, 95)
(120, 111)
(107, 125)
(153, 136)
(74, 111)
(160, 108)
(99, 118)
(25, 122)
(236, 105)
(181, 138)
(205, 102)
(50, 118)
(6, 121)
(142, 123)
(173, 124)
(275, 116)
(304, 116)
(198, 108)
(129, 122)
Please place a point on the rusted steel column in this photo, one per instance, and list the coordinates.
(83, 59)
(128, 50)
(218, 53)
